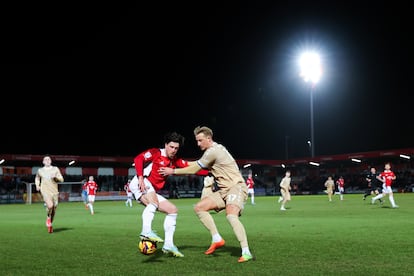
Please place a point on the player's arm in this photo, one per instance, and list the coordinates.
(58, 177)
(192, 168)
(37, 181)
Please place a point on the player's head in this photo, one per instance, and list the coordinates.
(387, 166)
(47, 160)
(172, 143)
(204, 137)
(373, 169)
(287, 173)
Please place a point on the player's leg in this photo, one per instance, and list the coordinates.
(170, 222)
(391, 197)
(379, 196)
(212, 201)
(286, 198)
(236, 198)
(48, 200)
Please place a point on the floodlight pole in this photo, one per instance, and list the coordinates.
(312, 145)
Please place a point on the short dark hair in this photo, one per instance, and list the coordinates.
(174, 137)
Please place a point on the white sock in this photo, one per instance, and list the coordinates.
(378, 197)
(217, 237)
(169, 228)
(90, 207)
(391, 198)
(147, 217)
(246, 250)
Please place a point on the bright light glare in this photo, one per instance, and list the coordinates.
(310, 67)
(247, 165)
(404, 156)
(314, 163)
(356, 160)
(2, 161)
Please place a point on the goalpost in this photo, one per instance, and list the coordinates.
(65, 189)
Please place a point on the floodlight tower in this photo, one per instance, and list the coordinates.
(311, 71)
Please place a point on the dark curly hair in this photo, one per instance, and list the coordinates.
(174, 137)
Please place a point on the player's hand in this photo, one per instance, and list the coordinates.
(164, 171)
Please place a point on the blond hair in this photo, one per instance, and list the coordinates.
(205, 130)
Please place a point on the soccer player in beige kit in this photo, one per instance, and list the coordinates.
(46, 180)
(230, 190)
(285, 190)
(330, 187)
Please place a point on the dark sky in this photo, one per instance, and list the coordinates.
(112, 79)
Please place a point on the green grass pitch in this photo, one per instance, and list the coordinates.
(313, 237)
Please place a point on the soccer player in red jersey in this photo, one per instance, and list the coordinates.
(341, 187)
(386, 177)
(91, 187)
(127, 189)
(250, 187)
(148, 181)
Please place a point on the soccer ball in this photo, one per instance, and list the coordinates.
(147, 247)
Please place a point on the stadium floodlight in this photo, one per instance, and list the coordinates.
(311, 71)
(71, 162)
(314, 164)
(2, 161)
(247, 165)
(356, 160)
(401, 155)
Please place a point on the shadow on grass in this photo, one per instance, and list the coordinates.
(61, 229)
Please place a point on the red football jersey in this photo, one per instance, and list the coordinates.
(91, 187)
(250, 183)
(148, 162)
(388, 176)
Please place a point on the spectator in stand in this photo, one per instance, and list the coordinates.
(46, 180)
(91, 187)
(250, 187)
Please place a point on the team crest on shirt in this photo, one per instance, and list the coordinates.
(147, 155)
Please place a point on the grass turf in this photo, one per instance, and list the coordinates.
(313, 237)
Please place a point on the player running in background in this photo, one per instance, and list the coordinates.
(230, 190)
(85, 194)
(250, 187)
(127, 189)
(148, 181)
(330, 187)
(91, 187)
(285, 190)
(386, 177)
(46, 180)
(373, 184)
(341, 187)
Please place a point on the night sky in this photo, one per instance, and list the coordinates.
(112, 79)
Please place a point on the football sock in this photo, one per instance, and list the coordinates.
(147, 217)
(378, 197)
(208, 222)
(391, 198)
(217, 237)
(246, 250)
(238, 229)
(169, 229)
